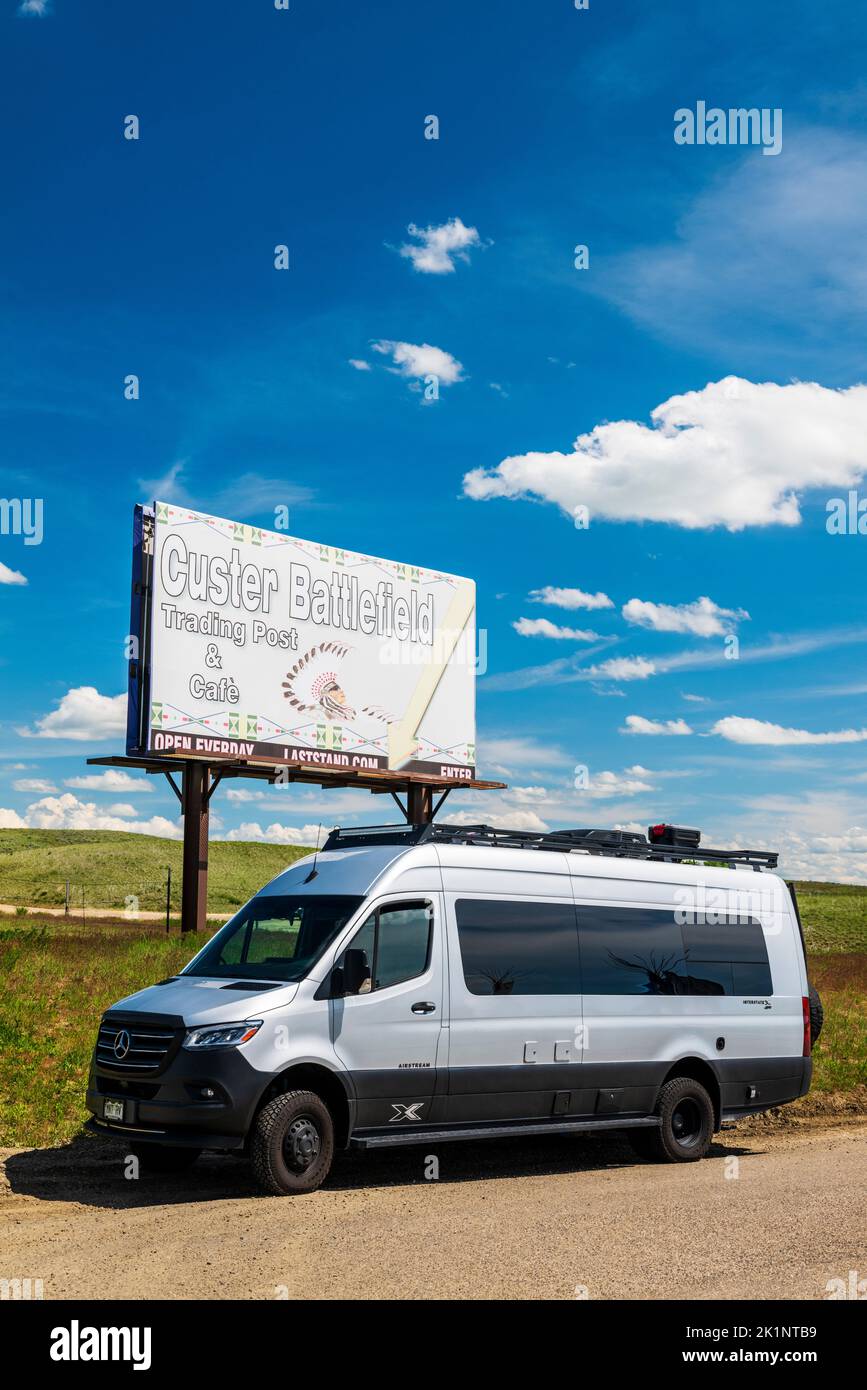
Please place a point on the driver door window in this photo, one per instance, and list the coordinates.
(396, 941)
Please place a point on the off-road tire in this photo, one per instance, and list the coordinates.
(284, 1156)
(686, 1124)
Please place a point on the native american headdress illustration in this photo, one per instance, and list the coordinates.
(314, 686)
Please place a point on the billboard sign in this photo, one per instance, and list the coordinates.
(256, 644)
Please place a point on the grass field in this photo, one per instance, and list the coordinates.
(834, 917)
(106, 867)
(58, 975)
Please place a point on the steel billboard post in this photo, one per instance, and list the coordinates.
(195, 808)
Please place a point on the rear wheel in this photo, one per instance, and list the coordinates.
(164, 1158)
(817, 1016)
(292, 1143)
(686, 1123)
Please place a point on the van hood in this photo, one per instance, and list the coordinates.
(198, 999)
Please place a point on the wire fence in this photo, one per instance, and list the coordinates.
(151, 901)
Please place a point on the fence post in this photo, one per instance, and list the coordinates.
(66, 904)
(168, 896)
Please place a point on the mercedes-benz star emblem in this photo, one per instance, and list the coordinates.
(121, 1044)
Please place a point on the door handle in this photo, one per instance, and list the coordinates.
(424, 1006)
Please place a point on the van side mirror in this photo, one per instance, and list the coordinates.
(350, 975)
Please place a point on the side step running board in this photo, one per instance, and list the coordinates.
(398, 1138)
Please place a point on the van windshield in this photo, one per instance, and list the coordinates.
(275, 938)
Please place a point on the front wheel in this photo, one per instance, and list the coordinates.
(292, 1144)
(686, 1123)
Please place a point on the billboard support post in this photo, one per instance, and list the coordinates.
(419, 806)
(196, 812)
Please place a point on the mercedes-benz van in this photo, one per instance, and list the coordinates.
(421, 984)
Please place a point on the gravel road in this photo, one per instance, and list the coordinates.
(771, 1214)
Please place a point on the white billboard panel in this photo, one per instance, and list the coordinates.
(263, 645)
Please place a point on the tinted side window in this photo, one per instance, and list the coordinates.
(402, 943)
(396, 941)
(363, 940)
(518, 948)
(709, 976)
(732, 939)
(732, 951)
(629, 950)
(751, 979)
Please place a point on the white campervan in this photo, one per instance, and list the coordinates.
(428, 983)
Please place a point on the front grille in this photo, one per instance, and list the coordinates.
(148, 1044)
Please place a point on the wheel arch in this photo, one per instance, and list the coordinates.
(328, 1084)
(698, 1069)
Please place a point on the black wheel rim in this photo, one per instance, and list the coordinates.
(301, 1144)
(687, 1123)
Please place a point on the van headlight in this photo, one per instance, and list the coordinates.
(222, 1035)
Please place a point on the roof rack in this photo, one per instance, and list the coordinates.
(664, 843)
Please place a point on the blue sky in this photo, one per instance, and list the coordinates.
(726, 291)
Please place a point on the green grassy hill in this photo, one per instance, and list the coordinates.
(105, 867)
(108, 866)
(834, 917)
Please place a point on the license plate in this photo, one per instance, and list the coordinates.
(113, 1110)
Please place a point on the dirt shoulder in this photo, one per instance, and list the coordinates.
(773, 1214)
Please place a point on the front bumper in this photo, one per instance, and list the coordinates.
(172, 1107)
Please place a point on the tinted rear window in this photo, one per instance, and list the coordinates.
(628, 950)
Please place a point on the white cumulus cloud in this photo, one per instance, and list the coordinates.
(66, 812)
(622, 668)
(8, 576)
(541, 627)
(276, 834)
(434, 250)
(112, 780)
(603, 785)
(702, 617)
(501, 814)
(33, 784)
(82, 714)
(637, 724)
(737, 729)
(419, 360)
(734, 454)
(570, 598)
